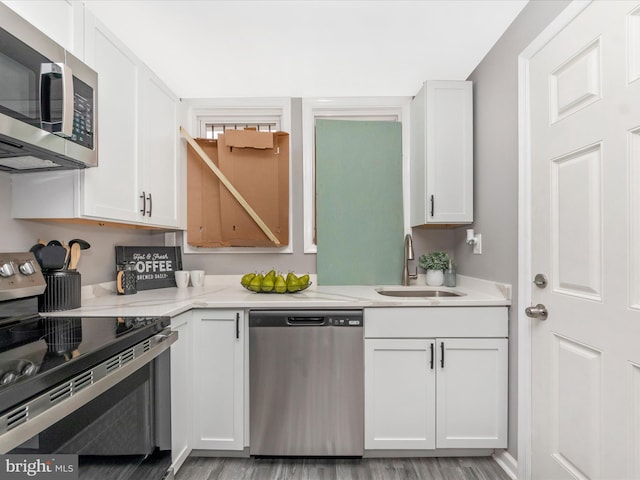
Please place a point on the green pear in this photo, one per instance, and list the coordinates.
(293, 284)
(256, 283)
(267, 283)
(246, 279)
(280, 284)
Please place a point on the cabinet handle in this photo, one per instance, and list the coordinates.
(432, 355)
(144, 204)
(432, 205)
(237, 325)
(150, 204)
(441, 354)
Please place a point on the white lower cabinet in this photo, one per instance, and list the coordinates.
(181, 398)
(399, 394)
(426, 393)
(471, 399)
(218, 379)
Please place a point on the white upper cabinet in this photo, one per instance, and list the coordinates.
(111, 190)
(441, 158)
(137, 180)
(61, 20)
(159, 172)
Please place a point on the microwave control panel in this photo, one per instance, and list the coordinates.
(83, 114)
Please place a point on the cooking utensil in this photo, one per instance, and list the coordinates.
(54, 242)
(51, 257)
(74, 256)
(67, 257)
(80, 245)
(84, 245)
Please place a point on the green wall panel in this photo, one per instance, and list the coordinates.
(359, 216)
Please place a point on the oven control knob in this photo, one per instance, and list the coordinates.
(28, 369)
(27, 268)
(8, 378)
(7, 269)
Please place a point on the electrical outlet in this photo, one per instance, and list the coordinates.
(170, 239)
(477, 246)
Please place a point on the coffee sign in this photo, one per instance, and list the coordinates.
(154, 266)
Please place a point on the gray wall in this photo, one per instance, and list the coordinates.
(495, 92)
(96, 265)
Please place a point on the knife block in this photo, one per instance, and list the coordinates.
(62, 291)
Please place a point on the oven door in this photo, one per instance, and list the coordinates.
(121, 431)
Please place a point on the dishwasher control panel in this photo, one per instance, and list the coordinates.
(345, 321)
(306, 318)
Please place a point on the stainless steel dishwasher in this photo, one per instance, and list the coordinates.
(306, 382)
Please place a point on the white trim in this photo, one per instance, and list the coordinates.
(507, 463)
(258, 107)
(524, 232)
(383, 107)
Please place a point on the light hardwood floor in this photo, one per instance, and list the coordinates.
(458, 468)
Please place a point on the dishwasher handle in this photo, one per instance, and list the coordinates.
(306, 321)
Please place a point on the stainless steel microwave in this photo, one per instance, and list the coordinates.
(48, 102)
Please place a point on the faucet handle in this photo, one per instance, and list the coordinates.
(414, 276)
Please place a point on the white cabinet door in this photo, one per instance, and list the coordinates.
(218, 380)
(111, 190)
(60, 20)
(159, 143)
(181, 399)
(471, 393)
(441, 158)
(399, 394)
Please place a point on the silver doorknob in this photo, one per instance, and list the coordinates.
(539, 311)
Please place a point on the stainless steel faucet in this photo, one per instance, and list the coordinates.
(408, 255)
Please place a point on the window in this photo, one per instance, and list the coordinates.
(383, 108)
(210, 117)
(212, 129)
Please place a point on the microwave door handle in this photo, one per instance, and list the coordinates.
(64, 127)
(68, 101)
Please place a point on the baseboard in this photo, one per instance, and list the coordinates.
(507, 463)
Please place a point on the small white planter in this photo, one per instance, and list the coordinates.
(435, 278)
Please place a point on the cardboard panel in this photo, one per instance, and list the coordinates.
(204, 228)
(248, 139)
(261, 175)
(257, 164)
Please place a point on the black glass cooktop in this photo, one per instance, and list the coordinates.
(36, 353)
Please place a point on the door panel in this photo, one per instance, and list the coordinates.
(576, 233)
(576, 440)
(585, 222)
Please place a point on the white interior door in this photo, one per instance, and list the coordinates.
(585, 161)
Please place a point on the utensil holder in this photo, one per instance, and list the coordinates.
(62, 292)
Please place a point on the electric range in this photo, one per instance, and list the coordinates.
(85, 385)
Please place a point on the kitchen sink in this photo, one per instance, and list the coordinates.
(417, 293)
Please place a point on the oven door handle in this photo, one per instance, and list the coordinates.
(26, 420)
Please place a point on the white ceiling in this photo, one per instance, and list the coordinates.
(307, 48)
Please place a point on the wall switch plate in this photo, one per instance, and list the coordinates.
(477, 246)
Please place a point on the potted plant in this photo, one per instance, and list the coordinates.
(434, 263)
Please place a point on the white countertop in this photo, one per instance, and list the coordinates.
(225, 291)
